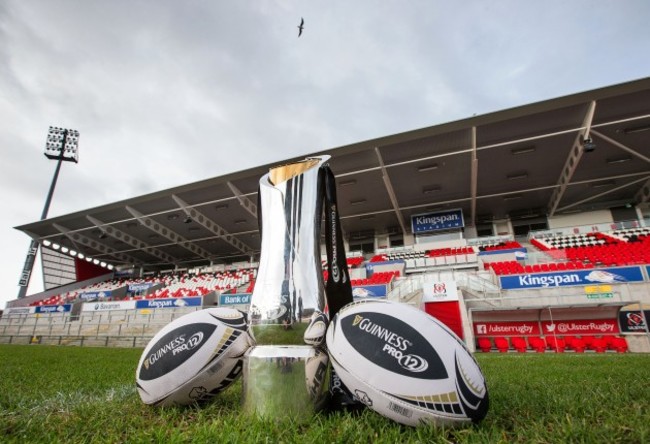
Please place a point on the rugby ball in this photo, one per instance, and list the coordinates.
(406, 365)
(315, 331)
(193, 358)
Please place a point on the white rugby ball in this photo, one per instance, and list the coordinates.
(406, 365)
(315, 331)
(193, 358)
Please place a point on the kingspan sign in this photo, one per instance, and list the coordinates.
(54, 308)
(572, 278)
(443, 220)
(169, 303)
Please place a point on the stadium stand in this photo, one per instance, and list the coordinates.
(114, 327)
(518, 256)
(172, 286)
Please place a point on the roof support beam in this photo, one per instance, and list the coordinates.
(120, 235)
(643, 195)
(78, 238)
(566, 207)
(620, 145)
(243, 200)
(474, 179)
(577, 149)
(165, 232)
(391, 192)
(211, 226)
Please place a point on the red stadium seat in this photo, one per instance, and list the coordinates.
(608, 340)
(578, 345)
(619, 344)
(568, 340)
(519, 344)
(484, 344)
(556, 344)
(537, 344)
(599, 345)
(588, 340)
(501, 344)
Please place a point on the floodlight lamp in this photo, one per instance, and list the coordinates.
(81, 256)
(56, 246)
(588, 144)
(89, 259)
(96, 261)
(110, 266)
(64, 249)
(47, 243)
(56, 149)
(73, 253)
(103, 264)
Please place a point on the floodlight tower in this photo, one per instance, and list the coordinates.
(62, 145)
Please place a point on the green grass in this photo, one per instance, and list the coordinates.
(68, 394)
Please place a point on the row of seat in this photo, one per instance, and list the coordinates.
(436, 252)
(431, 258)
(183, 285)
(508, 245)
(621, 253)
(354, 262)
(632, 234)
(573, 240)
(377, 278)
(554, 343)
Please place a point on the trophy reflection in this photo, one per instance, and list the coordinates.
(285, 372)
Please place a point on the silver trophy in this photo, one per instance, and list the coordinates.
(285, 373)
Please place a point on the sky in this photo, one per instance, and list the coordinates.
(166, 93)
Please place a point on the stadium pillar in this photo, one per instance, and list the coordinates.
(25, 276)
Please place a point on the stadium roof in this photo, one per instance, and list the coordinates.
(522, 163)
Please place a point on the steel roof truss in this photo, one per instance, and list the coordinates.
(243, 200)
(91, 243)
(391, 192)
(620, 145)
(211, 226)
(120, 235)
(643, 195)
(474, 179)
(572, 161)
(566, 207)
(165, 232)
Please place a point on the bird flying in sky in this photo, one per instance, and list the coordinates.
(301, 26)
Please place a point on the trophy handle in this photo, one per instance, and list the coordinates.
(338, 288)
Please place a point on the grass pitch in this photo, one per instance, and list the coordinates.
(68, 394)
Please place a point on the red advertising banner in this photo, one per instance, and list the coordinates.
(513, 328)
(581, 327)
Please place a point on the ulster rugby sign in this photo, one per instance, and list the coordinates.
(514, 328)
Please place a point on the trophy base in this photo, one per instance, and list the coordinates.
(285, 381)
